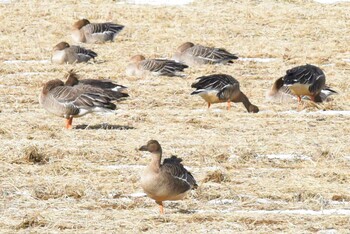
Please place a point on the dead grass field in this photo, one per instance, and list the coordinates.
(53, 180)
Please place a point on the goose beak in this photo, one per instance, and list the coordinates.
(143, 148)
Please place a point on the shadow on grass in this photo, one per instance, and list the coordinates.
(103, 126)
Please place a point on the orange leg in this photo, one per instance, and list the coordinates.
(228, 105)
(209, 105)
(299, 103)
(312, 98)
(299, 99)
(69, 123)
(161, 207)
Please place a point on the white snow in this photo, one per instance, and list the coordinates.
(329, 112)
(5, 1)
(346, 60)
(331, 1)
(289, 157)
(26, 61)
(258, 60)
(121, 166)
(138, 194)
(281, 212)
(158, 2)
(298, 212)
(221, 201)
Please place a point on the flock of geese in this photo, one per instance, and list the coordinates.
(75, 97)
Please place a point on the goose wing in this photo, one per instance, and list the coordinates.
(163, 66)
(104, 28)
(216, 81)
(212, 55)
(173, 167)
(306, 74)
(72, 98)
(82, 51)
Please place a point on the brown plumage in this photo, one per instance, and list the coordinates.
(140, 66)
(78, 98)
(86, 32)
(167, 181)
(65, 53)
(192, 54)
(221, 88)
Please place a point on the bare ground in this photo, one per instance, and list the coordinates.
(81, 181)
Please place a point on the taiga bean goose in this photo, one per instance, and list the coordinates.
(221, 88)
(86, 32)
(78, 98)
(169, 181)
(65, 53)
(192, 54)
(140, 66)
(306, 80)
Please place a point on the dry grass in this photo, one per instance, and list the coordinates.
(54, 180)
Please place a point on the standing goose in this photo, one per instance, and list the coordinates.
(221, 88)
(64, 53)
(306, 80)
(169, 181)
(192, 54)
(75, 99)
(140, 66)
(86, 32)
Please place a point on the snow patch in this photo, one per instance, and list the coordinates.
(346, 60)
(139, 194)
(329, 112)
(214, 110)
(279, 212)
(158, 2)
(221, 202)
(331, 1)
(121, 166)
(258, 60)
(26, 61)
(289, 157)
(298, 212)
(5, 1)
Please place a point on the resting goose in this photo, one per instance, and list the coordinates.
(86, 32)
(192, 54)
(78, 98)
(221, 88)
(169, 181)
(140, 66)
(306, 80)
(65, 53)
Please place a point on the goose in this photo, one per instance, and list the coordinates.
(192, 54)
(140, 66)
(306, 80)
(218, 88)
(65, 53)
(77, 98)
(86, 32)
(169, 181)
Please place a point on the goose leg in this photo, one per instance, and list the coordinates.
(161, 207)
(228, 105)
(209, 105)
(299, 103)
(69, 123)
